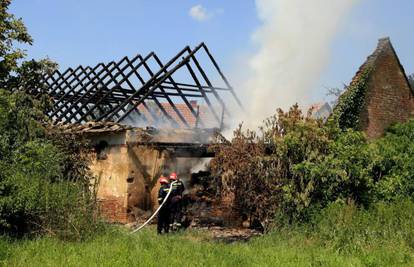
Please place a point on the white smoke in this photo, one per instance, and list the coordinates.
(294, 43)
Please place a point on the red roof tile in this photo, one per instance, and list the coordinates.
(205, 118)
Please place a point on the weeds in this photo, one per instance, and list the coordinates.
(342, 235)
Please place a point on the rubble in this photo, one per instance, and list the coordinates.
(93, 127)
(230, 235)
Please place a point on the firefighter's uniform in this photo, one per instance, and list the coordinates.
(164, 213)
(176, 202)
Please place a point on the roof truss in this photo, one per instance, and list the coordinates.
(140, 88)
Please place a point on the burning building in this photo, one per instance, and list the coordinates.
(126, 162)
(144, 118)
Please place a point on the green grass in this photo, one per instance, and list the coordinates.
(117, 248)
(341, 235)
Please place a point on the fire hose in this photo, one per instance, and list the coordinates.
(158, 210)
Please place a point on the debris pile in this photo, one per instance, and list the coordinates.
(230, 235)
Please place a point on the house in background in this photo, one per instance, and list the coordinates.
(320, 110)
(144, 118)
(387, 97)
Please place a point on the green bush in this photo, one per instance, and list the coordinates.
(298, 165)
(393, 163)
(44, 181)
(38, 198)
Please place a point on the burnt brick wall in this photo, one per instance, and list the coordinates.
(389, 98)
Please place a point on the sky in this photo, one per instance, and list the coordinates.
(74, 32)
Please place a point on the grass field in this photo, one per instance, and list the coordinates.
(117, 248)
(339, 236)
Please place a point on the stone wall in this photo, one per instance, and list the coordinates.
(127, 181)
(127, 168)
(145, 167)
(111, 173)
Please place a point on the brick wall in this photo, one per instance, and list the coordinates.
(389, 98)
(113, 210)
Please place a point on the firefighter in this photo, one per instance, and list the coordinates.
(164, 214)
(176, 200)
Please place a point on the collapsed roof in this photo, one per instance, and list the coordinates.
(144, 91)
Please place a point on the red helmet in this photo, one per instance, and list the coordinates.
(173, 176)
(163, 180)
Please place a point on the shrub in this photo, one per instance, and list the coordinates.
(393, 163)
(264, 171)
(44, 181)
(298, 165)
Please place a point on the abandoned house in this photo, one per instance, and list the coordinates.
(127, 162)
(144, 118)
(380, 93)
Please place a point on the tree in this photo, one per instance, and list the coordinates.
(16, 74)
(44, 180)
(12, 31)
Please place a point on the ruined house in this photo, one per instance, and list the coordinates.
(143, 118)
(320, 110)
(126, 162)
(378, 96)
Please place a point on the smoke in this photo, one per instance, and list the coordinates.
(294, 43)
(202, 165)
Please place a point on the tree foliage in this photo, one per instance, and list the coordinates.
(17, 74)
(347, 111)
(12, 31)
(298, 165)
(44, 179)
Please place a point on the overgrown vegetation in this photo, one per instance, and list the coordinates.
(297, 165)
(342, 235)
(44, 183)
(335, 198)
(347, 111)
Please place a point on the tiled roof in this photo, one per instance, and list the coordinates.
(320, 110)
(316, 106)
(205, 116)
